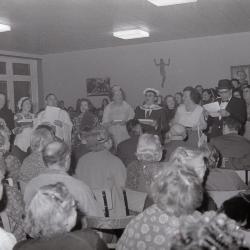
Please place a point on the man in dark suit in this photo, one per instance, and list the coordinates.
(231, 144)
(126, 149)
(229, 107)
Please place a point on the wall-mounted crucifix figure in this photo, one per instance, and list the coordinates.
(162, 66)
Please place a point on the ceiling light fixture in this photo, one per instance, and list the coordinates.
(131, 34)
(170, 2)
(4, 27)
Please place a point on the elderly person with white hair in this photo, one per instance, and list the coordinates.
(141, 172)
(50, 216)
(33, 164)
(198, 160)
(177, 192)
(56, 157)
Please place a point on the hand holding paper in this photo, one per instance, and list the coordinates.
(212, 108)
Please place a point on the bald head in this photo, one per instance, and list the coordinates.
(178, 130)
(56, 154)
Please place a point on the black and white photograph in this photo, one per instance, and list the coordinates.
(124, 124)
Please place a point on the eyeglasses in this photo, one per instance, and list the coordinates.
(220, 92)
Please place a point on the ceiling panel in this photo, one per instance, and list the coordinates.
(52, 26)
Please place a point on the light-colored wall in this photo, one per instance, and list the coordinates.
(199, 60)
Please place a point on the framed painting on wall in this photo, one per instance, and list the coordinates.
(98, 86)
(242, 73)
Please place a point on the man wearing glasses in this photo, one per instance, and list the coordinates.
(229, 107)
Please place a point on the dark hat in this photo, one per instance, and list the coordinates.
(225, 84)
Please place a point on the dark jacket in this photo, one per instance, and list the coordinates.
(8, 116)
(126, 150)
(237, 109)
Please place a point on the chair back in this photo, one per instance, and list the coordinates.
(5, 220)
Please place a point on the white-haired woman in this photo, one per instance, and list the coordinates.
(141, 172)
(199, 161)
(50, 216)
(177, 191)
(23, 127)
(116, 114)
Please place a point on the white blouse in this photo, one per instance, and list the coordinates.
(190, 119)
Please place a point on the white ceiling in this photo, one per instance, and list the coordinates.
(52, 26)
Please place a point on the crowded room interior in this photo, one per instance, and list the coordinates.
(124, 124)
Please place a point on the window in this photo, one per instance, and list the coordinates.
(21, 69)
(18, 78)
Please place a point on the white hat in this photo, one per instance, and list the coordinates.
(151, 90)
(21, 101)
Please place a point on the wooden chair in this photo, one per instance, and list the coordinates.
(133, 201)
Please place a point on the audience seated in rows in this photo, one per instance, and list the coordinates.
(126, 149)
(178, 190)
(101, 170)
(50, 216)
(56, 157)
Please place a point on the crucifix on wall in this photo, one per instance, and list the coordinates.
(162, 65)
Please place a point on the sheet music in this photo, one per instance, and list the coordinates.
(51, 115)
(212, 108)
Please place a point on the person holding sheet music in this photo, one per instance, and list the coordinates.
(150, 114)
(116, 114)
(230, 106)
(57, 118)
(24, 120)
(190, 115)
